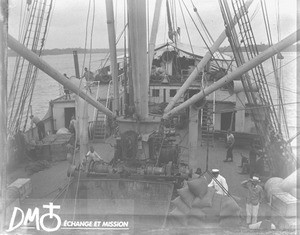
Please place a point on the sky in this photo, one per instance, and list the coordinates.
(69, 19)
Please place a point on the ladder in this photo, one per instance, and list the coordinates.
(261, 104)
(207, 125)
(100, 122)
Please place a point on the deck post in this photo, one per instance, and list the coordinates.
(194, 160)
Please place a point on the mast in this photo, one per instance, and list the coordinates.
(3, 101)
(113, 53)
(138, 51)
(154, 30)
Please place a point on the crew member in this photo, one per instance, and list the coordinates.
(218, 180)
(254, 198)
(40, 126)
(89, 77)
(93, 155)
(66, 90)
(252, 160)
(72, 125)
(230, 144)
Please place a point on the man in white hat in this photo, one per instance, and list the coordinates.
(254, 198)
(216, 180)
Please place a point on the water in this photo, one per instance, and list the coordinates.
(48, 89)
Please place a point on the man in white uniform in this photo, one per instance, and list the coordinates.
(221, 180)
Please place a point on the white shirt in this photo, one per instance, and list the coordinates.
(95, 156)
(222, 181)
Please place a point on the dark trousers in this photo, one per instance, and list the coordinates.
(229, 154)
(41, 130)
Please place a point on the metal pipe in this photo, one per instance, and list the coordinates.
(201, 64)
(46, 68)
(3, 105)
(113, 53)
(291, 39)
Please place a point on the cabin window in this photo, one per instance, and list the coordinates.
(173, 92)
(155, 92)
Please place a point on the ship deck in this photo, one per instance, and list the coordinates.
(48, 185)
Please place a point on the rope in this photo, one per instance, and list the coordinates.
(201, 34)
(86, 35)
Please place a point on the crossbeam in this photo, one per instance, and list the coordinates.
(52, 72)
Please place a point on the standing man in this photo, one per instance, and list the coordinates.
(89, 77)
(72, 126)
(218, 180)
(252, 160)
(40, 126)
(66, 90)
(254, 198)
(230, 144)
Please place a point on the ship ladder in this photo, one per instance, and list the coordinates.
(100, 123)
(207, 126)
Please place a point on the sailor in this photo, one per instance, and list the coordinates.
(89, 77)
(93, 155)
(252, 160)
(254, 198)
(230, 144)
(72, 126)
(218, 180)
(66, 90)
(40, 126)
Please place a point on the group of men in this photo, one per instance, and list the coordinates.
(255, 193)
(254, 198)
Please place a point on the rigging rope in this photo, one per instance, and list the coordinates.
(201, 34)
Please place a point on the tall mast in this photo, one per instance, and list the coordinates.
(154, 30)
(3, 107)
(113, 53)
(138, 50)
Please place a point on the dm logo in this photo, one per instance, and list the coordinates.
(34, 215)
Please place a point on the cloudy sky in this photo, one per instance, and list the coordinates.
(69, 19)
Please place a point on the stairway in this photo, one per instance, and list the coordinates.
(100, 121)
(207, 126)
(100, 126)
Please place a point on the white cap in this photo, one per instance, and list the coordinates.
(255, 178)
(215, 171)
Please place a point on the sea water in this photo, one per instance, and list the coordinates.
(48, 89)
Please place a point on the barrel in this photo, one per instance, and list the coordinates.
(272, 186)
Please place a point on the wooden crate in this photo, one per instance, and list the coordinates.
(285, 204)
(54, 147)
(24, 186)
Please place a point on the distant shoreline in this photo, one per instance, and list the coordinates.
(64, 51)
(56, 51)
